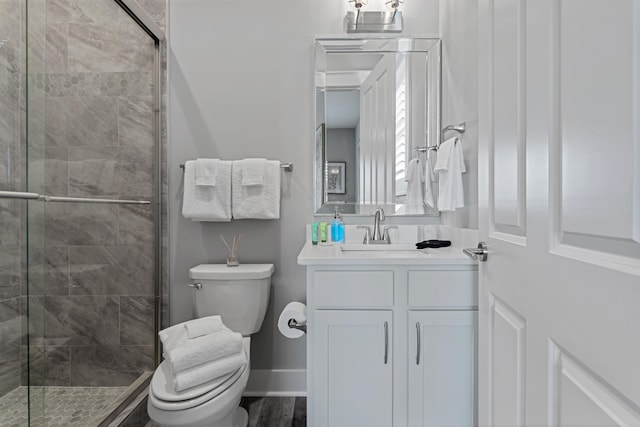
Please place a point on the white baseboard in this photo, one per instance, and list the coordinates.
(277, 382)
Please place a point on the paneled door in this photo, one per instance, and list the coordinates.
(559, 194)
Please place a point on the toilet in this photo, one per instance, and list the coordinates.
(240, 296)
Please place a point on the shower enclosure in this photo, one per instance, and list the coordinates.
(80, 207)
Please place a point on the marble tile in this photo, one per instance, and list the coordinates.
(9, 375)
(56, 48)
(48, 271)
(80, 224)
(48, 366)
(56, 171)
(68, 11)
(32, 326)
(98, 48)
(37, 23)
(157, 10)
(10, 270)
(111, 270)
(10, 222)
(136, 124)
(93, 171)
(10, 22)
(106, 365)
(137, 320)
(81, 84)
(82, 320)
(81, 121)
(10, 323)
(135, 224)
(134, 174)
(37, 107)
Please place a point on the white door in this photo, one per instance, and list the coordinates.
(560, 211)
(442, 371)
(353, 372)
(377, 128)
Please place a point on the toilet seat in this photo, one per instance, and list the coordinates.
(163, 396)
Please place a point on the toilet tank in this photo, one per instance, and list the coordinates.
(240, 294)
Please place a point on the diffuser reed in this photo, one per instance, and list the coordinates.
(232, 259)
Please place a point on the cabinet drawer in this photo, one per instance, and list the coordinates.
(446, 289)
(353, 288)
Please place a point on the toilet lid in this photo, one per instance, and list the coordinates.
(167, 398)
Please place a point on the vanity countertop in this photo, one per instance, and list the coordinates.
(403, 252)
(331, 254)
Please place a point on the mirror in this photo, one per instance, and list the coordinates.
(377, 107)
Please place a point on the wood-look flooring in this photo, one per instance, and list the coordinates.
(272, 411)
(276, 411)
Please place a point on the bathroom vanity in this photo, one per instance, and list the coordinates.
(391, 335)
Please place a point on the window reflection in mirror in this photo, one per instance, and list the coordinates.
(377, 100)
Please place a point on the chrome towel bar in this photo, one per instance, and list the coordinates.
(287, 167)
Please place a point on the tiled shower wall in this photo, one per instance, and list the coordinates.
(90, 133)
(11, 68)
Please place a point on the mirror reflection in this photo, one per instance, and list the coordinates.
(377, 108)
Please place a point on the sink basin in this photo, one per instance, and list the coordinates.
(360, 247)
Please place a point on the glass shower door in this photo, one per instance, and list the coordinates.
(87, 286)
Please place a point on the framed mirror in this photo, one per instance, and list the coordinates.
(377, 106)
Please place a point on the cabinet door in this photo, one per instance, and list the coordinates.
(442, 368)
(353, 375)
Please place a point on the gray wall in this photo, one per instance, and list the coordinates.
(459, 29)
(341, 147)
(241, 85)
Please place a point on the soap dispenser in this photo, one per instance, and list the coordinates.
(337, 228)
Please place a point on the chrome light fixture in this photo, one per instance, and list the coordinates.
(374, 22)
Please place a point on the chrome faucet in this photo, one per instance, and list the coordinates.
(377, 217)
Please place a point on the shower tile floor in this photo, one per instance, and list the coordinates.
(65, 406)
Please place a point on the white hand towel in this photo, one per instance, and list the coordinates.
(208, 371)
(450, 189)
(444, 152)
(206, 171)
(430, 178)
(204, 349)
(414, 203)
(257, 202)
(203, 326)
(207, 203)
(253, 171)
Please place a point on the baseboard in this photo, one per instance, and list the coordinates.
(277, 382)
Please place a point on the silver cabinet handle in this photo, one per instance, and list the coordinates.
(197, 286)
(386, 342)
(480, 253)
(417, 343)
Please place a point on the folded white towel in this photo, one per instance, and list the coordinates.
(450, 188)
(172, 337)
(206, 372)
(204, 349)
(203, 326)
(253, 171)
(206, 171)
(207, 203)
(414, 202)
(257, 202)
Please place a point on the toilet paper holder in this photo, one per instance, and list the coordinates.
(293, 324)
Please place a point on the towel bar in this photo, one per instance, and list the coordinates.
(287, 167)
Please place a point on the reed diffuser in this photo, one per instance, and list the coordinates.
(232, 259)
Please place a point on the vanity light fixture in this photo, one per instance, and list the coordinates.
(374, 22)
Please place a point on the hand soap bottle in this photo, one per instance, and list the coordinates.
(337, 228)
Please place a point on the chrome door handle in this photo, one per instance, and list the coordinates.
(386, 342)
(197, 286)
(480, 253)
(418, 343)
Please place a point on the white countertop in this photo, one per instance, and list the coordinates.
(331, 254)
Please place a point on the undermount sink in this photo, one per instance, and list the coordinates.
(360, 247)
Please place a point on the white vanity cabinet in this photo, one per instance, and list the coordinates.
(391, 345)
